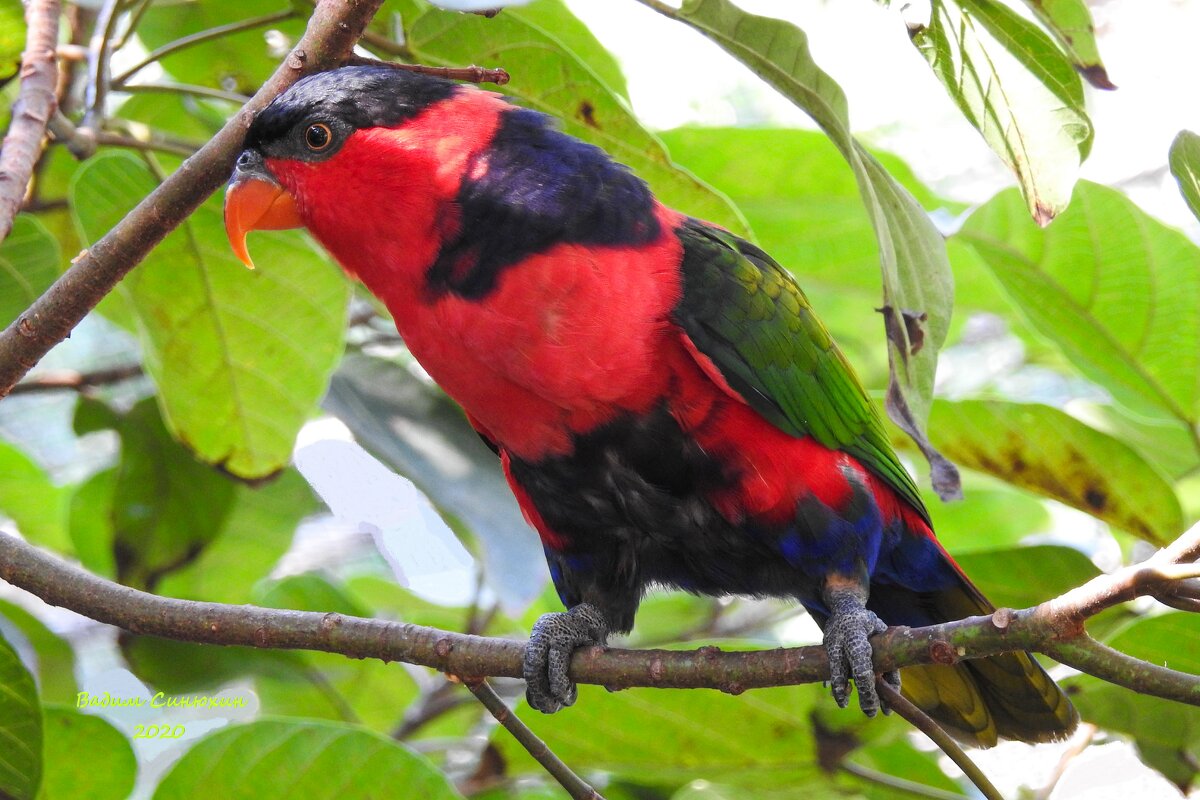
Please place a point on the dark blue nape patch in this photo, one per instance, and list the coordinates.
(541, 188)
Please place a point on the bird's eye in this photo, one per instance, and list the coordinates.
(318, 136)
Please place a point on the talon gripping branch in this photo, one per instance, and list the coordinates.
(667, 407)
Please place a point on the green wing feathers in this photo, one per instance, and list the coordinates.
(747, 314)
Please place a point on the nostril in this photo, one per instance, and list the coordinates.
(245, 159)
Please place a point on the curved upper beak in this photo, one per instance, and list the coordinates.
(254, 201)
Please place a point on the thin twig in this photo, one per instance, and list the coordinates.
(201, 37)
(134, 20)
(577, 787)
(470, 74)
(428, 707)
(82, 142)
(922, 722)
(98, 53)
(894, 784)
(69, 380)
(332, 31)
(187, 89)
(36, 102)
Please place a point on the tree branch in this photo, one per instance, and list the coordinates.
(1039, 629)
(332, 32)
(36, 102)
(70, 380)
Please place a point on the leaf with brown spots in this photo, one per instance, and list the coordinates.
(1070, 22)
(1044, 450)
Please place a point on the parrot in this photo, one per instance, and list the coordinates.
(667, 408)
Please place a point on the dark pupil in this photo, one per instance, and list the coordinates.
(317, 136)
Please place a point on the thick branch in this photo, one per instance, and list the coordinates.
(36, 102)
(332, 31)
(60, 584)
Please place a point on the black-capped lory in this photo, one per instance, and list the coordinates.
(667, 407)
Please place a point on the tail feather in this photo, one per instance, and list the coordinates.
(1006, 696)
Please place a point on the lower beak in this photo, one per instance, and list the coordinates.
(255, 204)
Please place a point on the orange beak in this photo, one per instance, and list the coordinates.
(254, 203)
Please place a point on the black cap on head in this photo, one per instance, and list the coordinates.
(311, 119)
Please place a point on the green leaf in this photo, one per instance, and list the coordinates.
(1044, 450)
(329, 685)
(12, 42)
(107, 773)
(309, 592)
(1166, 733)
(240, 358)
(254, 536)
(811, 219)
(238, 62)
(1185, 166)
(91, 522)
(990, 515)
(1025, 576)
(1070, 22)
(183, 667)
(32, 501)
(1018, 90)
(557, 80)
(20, 728)
(313, 760)
(916, 272)
(761, 740)
(29, 259)
(166, 506)
(1116, 290)
(55, 658)
(554, 16)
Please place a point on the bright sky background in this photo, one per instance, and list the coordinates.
(677, 77)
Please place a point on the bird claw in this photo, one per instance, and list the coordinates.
(847, 643)
(548, 655)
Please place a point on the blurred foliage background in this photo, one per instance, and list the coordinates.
(155, 447)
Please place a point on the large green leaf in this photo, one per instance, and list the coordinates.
(107, 773)
(1116, 290)
(240, 358)
(20, 728)
(313, 760)
(1018, 89)
(256, 533)
(55, 659)
(328, 685)
(550, 76)
(1044, 450)
(916, 272)
(29, 259)
(1070, 22)
(764, 742)
(1167, 733)
(166, 506)
(32, 501)
(1021, 577)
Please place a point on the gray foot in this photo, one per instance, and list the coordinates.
(548, 655)
(847, 642)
